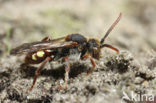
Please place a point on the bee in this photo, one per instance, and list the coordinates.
(48, 50)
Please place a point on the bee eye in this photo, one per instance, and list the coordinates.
(40, 53)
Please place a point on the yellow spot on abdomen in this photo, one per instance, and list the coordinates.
(40, 53)
(34, 57)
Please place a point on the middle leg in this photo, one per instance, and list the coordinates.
(66, 75)
(67, 70)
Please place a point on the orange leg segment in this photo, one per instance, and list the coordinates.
(92, 61)
(67, 70)
(46, 39)
(37, 73)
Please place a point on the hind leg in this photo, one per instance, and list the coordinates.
(37, 73)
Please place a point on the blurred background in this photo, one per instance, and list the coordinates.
(31, 20)
(134, 69)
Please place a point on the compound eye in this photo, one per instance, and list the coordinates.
(40, 53)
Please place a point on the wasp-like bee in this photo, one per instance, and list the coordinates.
(53, 49)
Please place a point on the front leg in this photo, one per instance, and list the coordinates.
(92, 61)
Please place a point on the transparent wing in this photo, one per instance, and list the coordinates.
(35, 46)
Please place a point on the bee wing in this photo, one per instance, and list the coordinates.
(28, 47)
(33, 47)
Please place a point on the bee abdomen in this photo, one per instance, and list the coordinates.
(37, 57)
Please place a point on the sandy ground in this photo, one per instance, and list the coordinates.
(133, 70)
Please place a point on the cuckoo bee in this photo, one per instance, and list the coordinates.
(53, 49)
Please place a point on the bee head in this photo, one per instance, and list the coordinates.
(94, 49)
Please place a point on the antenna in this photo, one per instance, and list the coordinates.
(111, 28)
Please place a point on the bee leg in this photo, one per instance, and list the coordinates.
(92, 61)
(47, 38)
(37, 73)
(67, 70)
(110, 46)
